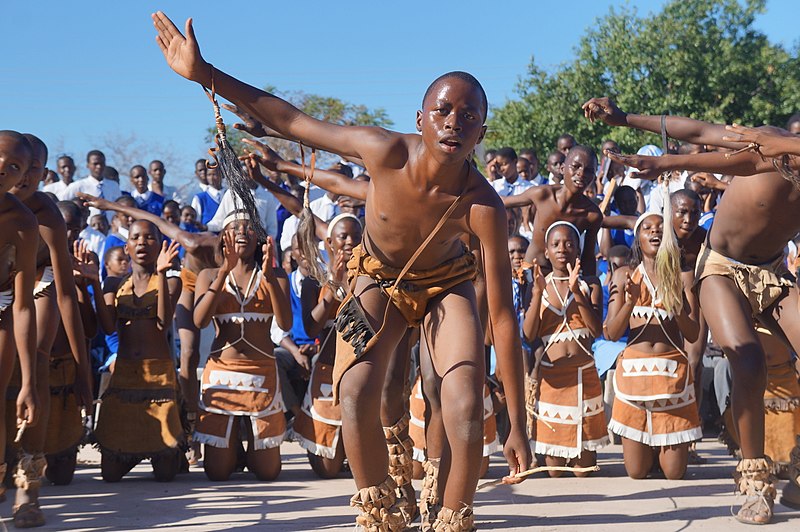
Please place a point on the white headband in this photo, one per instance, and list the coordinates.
(641, 218)
(235, 216)
(338, 218)
(566, 224)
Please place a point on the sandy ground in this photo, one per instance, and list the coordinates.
(300, 501)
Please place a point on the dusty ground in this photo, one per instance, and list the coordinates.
(300, 501)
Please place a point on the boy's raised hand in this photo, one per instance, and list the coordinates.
(182, 53)
(768, 141)
(269, 158)
(604, 109)
(97, 203)
(646, 165)
(248, 124)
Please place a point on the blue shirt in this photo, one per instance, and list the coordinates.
(150, 202)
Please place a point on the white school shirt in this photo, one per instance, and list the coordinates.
(106, 189)
(504, 188)
(266, 205)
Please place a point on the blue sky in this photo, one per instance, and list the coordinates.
(87, 70)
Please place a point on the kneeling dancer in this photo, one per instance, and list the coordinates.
(240, 395)
(139, 413)
(654, 409)
(564, 313)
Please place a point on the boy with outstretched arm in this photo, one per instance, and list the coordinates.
(565, 203)
(431, 173)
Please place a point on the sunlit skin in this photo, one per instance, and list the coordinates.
(429, 171)
(565, 202)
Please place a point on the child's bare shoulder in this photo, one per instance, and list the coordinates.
(620, 274)
(45, 209)
(387, 149)
(542, 193)
(15, 212)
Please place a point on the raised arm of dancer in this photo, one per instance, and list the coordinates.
(589, 305)
(772, 141)
(520, 200)
(678, 127)
(278, 287)
(85, 270)
(589, 254)
(621, 221)
(257, 129)
(739, 164)
(622, 296)
(330, 181)
(530, 327)
(183, 56)
(191, 241)
(688, 320)
(211, 283)
(289, 201)
(166, 309)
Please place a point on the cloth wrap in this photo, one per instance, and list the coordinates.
(64, 425)
(416, 428)
(318, 426)
(411, 297)
(249, 389)
(570, 399)
(761, 284)
(188, 280)
(139, 415)
(654, 403)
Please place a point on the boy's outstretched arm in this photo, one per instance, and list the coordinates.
(257, 129)
(182, 54)
(490, 226)
(325, 179)
(739, 164)
(678, 127)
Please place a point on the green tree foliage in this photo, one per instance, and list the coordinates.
(322, 107)
(697, 58)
